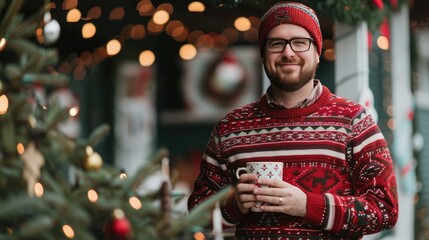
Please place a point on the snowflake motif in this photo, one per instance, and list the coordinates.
(264, 167)
(270, 174)
(281, 17)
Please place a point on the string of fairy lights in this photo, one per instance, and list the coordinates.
(160, 21)
(76, 64)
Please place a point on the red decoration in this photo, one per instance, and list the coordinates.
(369, 41)
(394, 4)
(118, 229)
(379, 4)
(367, 103)
(406, 169)
(385, 29)
(410, 115)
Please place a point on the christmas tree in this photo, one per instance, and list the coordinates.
(55, 187)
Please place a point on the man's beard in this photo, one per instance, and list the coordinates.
(284, 82)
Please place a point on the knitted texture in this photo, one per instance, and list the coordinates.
(292, 13)
(332, 150)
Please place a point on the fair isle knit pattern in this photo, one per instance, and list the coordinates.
(297, 6)
(332, 150)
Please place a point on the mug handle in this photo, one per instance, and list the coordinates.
(237, 173)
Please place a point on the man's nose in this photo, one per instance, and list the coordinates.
(288, 50)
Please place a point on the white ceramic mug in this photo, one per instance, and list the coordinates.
(269, 170)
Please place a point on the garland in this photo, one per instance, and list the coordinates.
(347, 11)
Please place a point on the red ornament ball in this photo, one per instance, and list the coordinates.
(119, 229)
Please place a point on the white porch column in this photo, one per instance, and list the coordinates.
(422, 91)
(351, 64)
(402, 99)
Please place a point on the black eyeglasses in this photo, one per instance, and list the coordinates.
(276, 45)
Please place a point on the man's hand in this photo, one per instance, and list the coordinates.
(282, 197)
(244, 192)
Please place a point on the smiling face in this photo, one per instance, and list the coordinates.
(289, 70)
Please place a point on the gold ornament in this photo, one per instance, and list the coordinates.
(92, 161)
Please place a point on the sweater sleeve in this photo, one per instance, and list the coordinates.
(213, 177)
(373, 205)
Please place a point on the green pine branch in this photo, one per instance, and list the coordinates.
(11, 13)
(66, 176)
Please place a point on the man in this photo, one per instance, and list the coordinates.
(338, 179)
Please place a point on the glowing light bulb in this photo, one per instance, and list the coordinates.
(383, 42)
(196, 6)
(146, 58)
(20, 148)
(68, 231)
(38, 190)
(88, 30)
(4, 104)
(161, 17)
(113, 47)
(135, 203)
(92, 196)
(2, 43)
(73, 111)
(188, 52)
(242, 24)
(73, 15)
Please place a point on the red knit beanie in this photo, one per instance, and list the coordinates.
(293, 13)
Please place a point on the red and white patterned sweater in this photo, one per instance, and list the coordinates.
(333, 150)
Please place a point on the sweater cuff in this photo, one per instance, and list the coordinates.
(316, 209)
(230, 211)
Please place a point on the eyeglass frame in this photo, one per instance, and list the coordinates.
(288, 41)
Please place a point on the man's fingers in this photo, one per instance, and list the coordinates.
(248, 178)
(272, 183)
(247, 198)
(269, 191)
